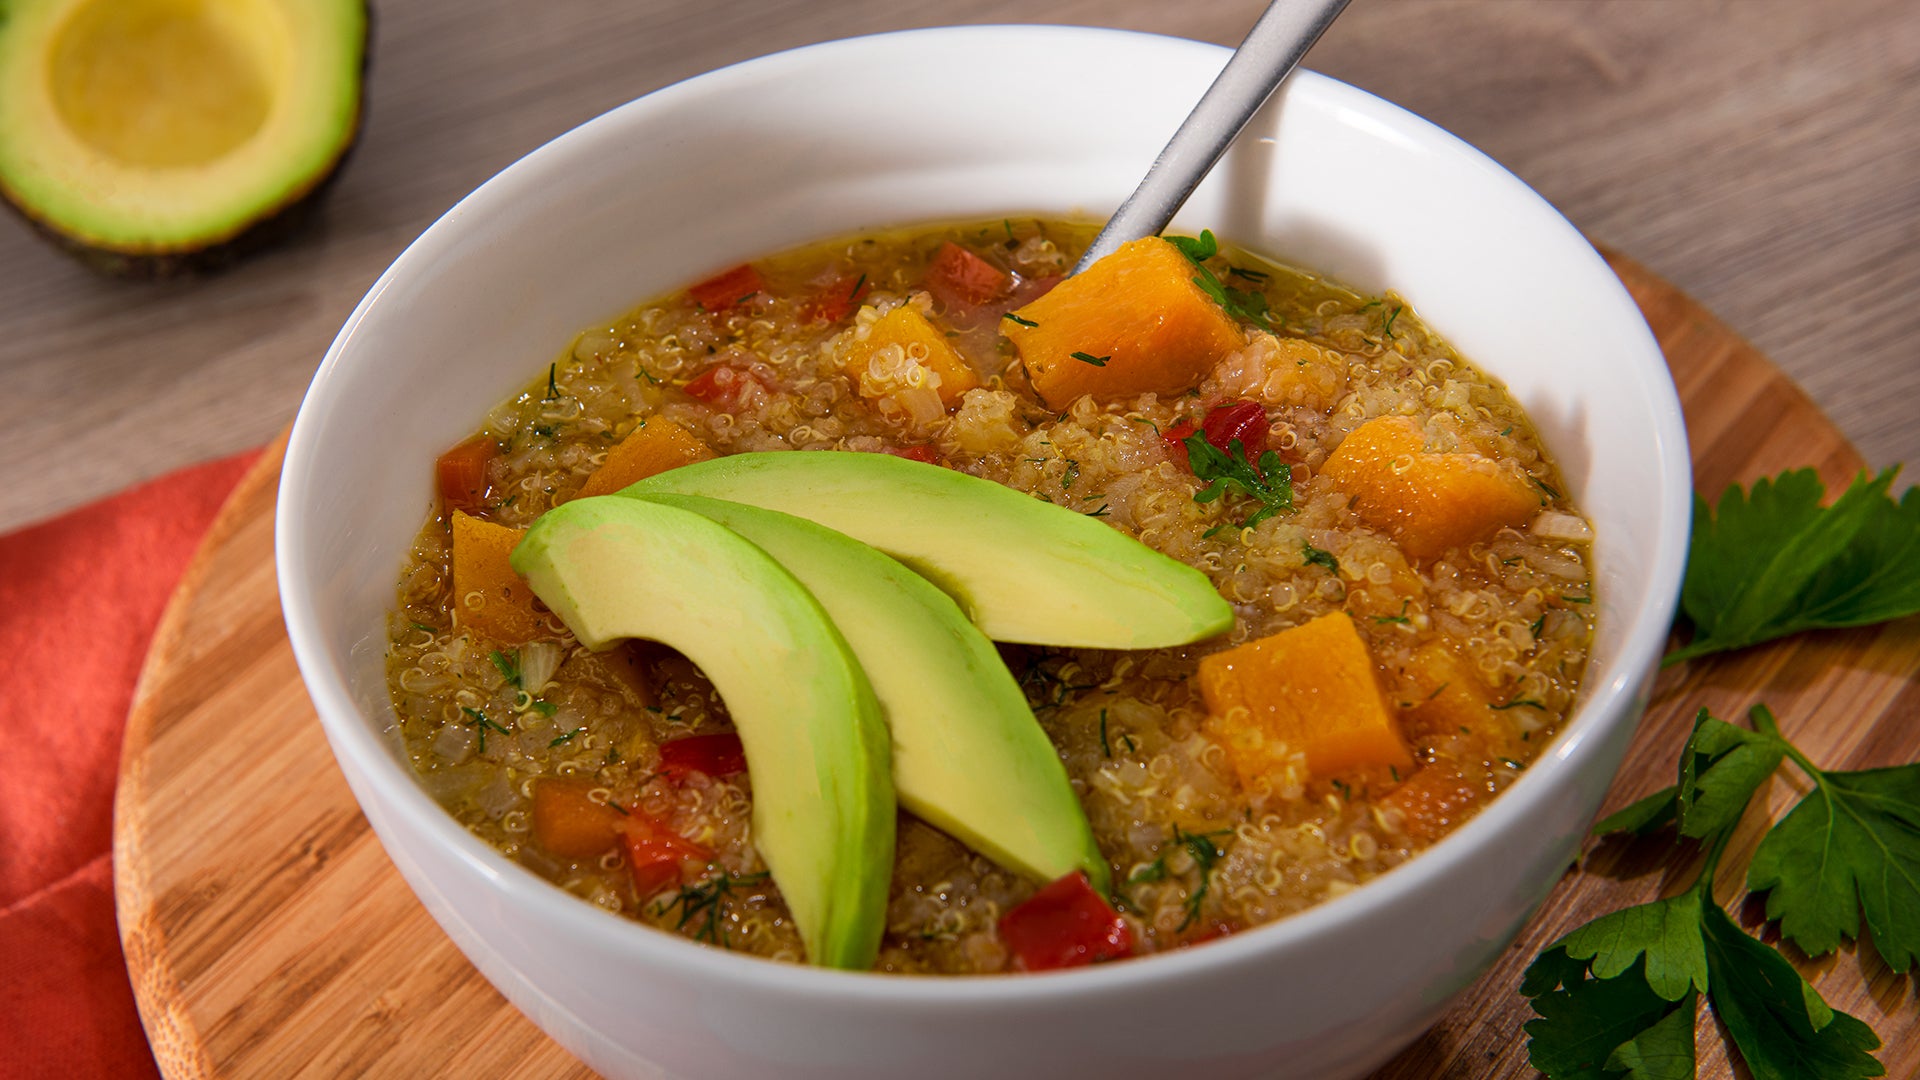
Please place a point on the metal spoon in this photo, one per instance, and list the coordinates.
(1272, 48)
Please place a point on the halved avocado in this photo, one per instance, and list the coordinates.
(152, 137)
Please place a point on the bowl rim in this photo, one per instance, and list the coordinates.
(352, 735)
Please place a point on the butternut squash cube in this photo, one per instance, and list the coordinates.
(1429, 502)
(1434, 800)
(1446, 697)
(1137, 322)
(1308, 690)
(488, 597)
(569, 823)
(922, 348)
(654, 447)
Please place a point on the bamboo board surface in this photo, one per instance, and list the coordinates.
(267, 935)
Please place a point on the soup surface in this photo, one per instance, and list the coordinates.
(1474, 633)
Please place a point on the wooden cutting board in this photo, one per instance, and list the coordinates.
(268, 936)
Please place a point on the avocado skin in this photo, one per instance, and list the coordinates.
(292, 218)
(818, 753)
(1024, 570)
(968, 755)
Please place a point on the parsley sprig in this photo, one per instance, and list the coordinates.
(1618, 996)
(1770, 561)
(1271, 482)
(1246, 304)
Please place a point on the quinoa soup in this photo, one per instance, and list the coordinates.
(1411, 592)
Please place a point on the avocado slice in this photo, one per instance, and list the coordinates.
(968, 756)
(816, 746)
(155, 137)
(1023, 570)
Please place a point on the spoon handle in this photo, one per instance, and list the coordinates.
(1276, 43)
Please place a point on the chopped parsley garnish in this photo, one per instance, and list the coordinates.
(1544, 486)
(553, 392)
(1101, 512)
(1539, 624)
(564, 739)
(1400, 618)
(543, 706)
(1153, 871)
(1106, 748)
(1089, 358)
(1251, 306)
(1011, 317)
(1518, 703)
(1271, 482)
(1071, 474)
(509, 666)
(1620, 994)
(417, 625)
(1771, 561)
(1386, 325)
(1144, 420)
(1313, 556)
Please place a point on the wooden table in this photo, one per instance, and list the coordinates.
(1763, 155)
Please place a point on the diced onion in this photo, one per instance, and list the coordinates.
(1553, 525)
(538, 661)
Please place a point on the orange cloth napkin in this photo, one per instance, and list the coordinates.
(79, 598)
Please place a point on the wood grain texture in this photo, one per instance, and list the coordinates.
(1764, 155)
(268, 936)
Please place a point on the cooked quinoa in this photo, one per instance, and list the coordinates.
(1195, 854)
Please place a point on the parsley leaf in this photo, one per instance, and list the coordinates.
(1783, 1028)
(1251, 306)
(1852, 844)
(1313, 556)
(1616, 996)
(1720, 769)
(1665, 932)
(1595, 1028)
(1770, 561)
(1271, 482)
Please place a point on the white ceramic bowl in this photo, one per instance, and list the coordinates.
(927, 126)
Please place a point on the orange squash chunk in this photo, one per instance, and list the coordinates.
(488, 597)
(1429, 502)
(655, 446)
(570, 824)
(1447, 698)
(1311, 690)
(1139, 317)
(1433, 801)
(923, 343)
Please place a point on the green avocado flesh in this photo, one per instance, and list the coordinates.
(968, 756)
(1023, 570)
(150, 136)
(816, 745)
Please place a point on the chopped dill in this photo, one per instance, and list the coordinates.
(1011, 317)
(1517, 703)
(1544, 486)
(1089, 358)
(480, 724)
(509, 666)
(1070, 475)
(553, 391)
(1106, 748)
(1102, 512)
(561, 740)
(702, 903)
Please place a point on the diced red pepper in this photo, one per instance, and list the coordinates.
(715, 755)
(922, 453)
(722, 291)
(837, 301)
(462, 473)
(721, 386)
(1065, 924)
(1243, 420)
(961, 279)
(655, 853)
